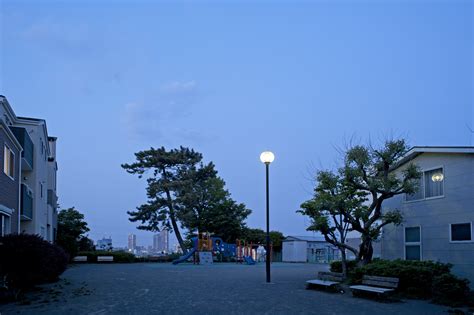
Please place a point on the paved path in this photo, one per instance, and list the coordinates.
(187, 289)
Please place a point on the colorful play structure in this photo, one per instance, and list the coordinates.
(206, 246)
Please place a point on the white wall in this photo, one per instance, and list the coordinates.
(434, 216)
(294, 251)
(42, 216)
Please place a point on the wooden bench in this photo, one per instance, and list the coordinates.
(80, 259)
(105, 258)
(376, 285)
(326, 279)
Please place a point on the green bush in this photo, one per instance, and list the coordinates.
(450, 290)
(27, 260)
(416, 277)
(336, 266)
(160, 259)
(119, 256)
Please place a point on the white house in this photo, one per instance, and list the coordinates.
(308, 249)
(438, 219)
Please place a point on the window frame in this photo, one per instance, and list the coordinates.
(424, 185)
(460, 242)
(5, 224)
(405, 243)
(7, 149)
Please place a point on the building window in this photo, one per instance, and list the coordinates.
(9, 162)
(4, 224)
(413, 243)
(41, 190)
(434, 183)
(461, 232)
(430, 185)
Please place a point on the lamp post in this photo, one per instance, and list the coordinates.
(267, 157)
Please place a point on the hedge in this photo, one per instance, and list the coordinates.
(160, 259)
(450, 290)
(336, 266)
(27, 260)
(416, 277)
(119, 256)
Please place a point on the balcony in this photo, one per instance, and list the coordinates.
(52, 198)
(26, 203)
(28, 147)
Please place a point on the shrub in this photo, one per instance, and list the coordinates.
(159, 259)
(27, 260)
(450, 290)
(416, 277)
(336, 266)
(120, 256)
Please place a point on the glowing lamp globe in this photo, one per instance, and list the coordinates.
(267, 157)
(437, 177)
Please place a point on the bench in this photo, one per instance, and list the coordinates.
(105, 258)
(376, 285)
(326, 279)
(80, 259)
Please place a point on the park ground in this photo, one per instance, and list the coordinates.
(147, 288)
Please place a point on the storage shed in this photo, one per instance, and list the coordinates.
(308, 249)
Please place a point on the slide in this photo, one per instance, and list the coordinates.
(185, 257)
(249, 260)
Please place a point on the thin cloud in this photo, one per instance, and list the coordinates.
(71, 38)
(162, 113)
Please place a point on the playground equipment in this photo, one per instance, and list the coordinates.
(246, 252)
(204, 246)
(203, 254)
(250, 252)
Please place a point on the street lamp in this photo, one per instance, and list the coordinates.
(267, 157)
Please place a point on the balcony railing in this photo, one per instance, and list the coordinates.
(28, 147)
(52, 198)
(26, 203)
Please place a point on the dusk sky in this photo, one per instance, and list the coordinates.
(232, 80)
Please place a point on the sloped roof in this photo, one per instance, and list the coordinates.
(417, 150)
(305, 238)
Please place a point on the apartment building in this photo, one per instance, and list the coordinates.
(29, 163)
(10, 152)
(438, 218)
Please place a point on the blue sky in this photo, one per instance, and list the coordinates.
(231, 80)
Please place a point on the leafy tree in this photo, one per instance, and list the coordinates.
(259, 236)
(168, 173)
(256, 236)
(86, 244)
(205, 205)
(276, 238)
(71, 229)
(331, 203)
(352, 198)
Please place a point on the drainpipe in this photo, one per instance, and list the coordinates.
(19, 192)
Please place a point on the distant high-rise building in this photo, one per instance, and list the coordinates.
(161, 241)
(132, 242)
(156, 240)
(104, 244)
